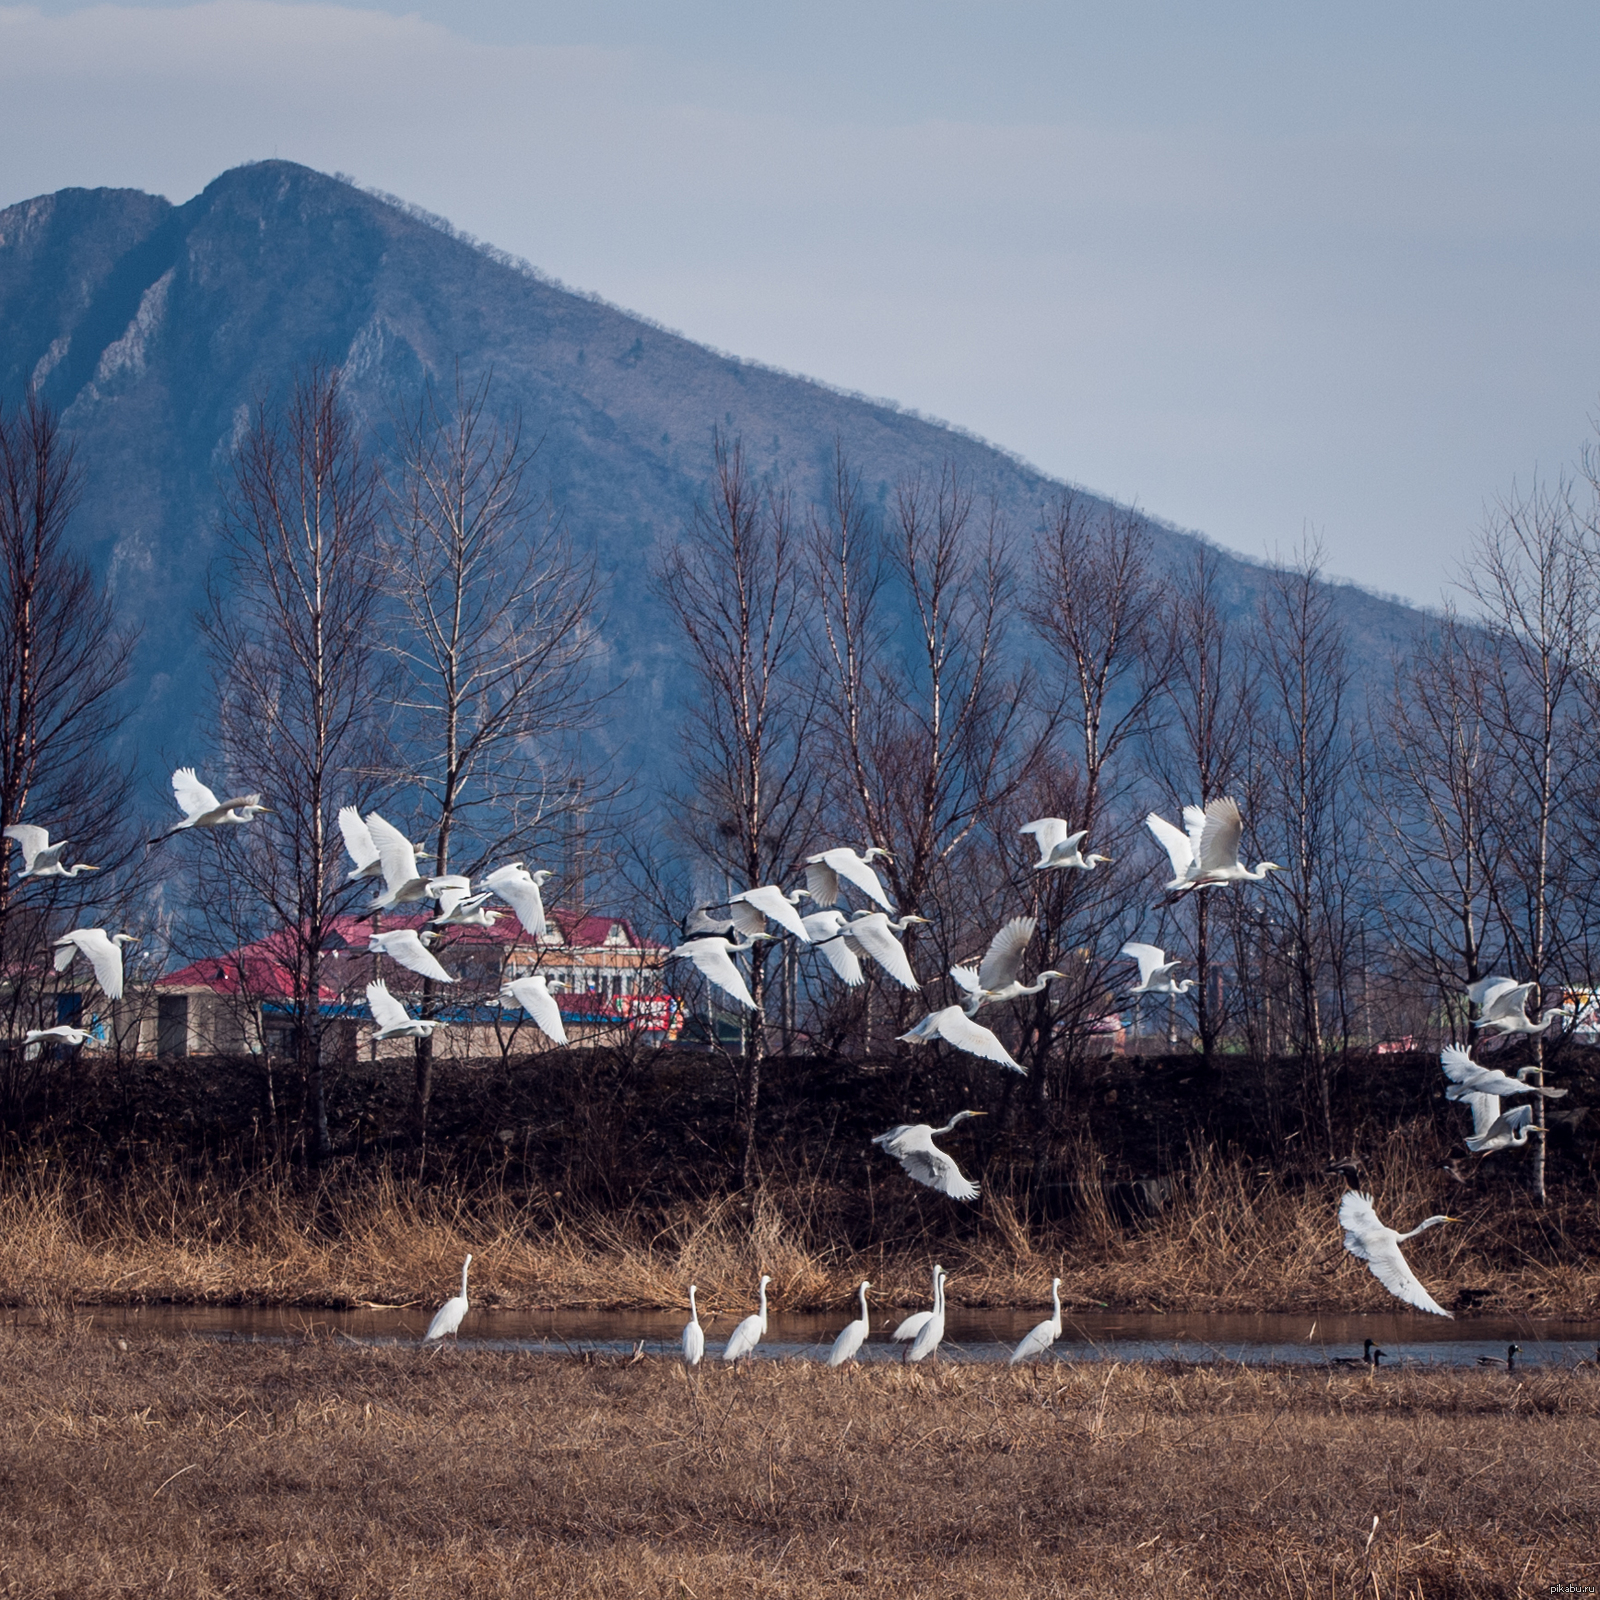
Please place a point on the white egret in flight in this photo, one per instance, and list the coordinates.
(996, 978)
(829, 932)
(458, 909)
(1058, 848)
(931, 1334)
(520, 889)
(202, 809)
(875, 933)
(954, 1026)
(392, 1018)
(1155, 971)
(40, 858)
(752, 910)
(1468, 1078)
(824, 871)
(532, 993)
(694, 1336)
(1511, 1128)
(918, 1320)
(1502, 1002)
(1208, 853)
(748, 1334)
(403, 883)
(35, 1039)
(714, 957)
(1369, 1240)
(1040, 1339)
(911, 1144)
(102, 951)
(447, 1319)
(853, 1335)
(363, 851)
(405, 946)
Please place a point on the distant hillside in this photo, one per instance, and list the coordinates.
(154, 326)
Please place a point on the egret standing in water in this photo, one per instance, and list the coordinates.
(447, 1319)
(853, 1335)
(748, 1334)
(1047, 1332)
(918, 1320)
(931, 1334)
(694, 1336)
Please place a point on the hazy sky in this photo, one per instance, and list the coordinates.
(1258, 269)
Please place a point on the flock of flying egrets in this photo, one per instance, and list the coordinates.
(1204, 854)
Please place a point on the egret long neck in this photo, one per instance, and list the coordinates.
(863, 1303)
(464, 1265)
(1423, 1226)
(694, 1316)
(763, 1305)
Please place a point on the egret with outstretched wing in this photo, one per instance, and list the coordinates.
(1058, 847)
(40, 858)
(392, 1018)
(405, 946)
(713, 957)
(955, 1027)
(102, 951)
(875, 933)
(1468, 1078)
(202, 809)
(1369, 1240)
(911, 1144)
(824, 871)
(997, 978)
(520, 889)
(532, 993)
(1155, 971)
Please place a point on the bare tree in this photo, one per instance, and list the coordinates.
(64, 663)
(735, 585)
(495, 646)
(291, 621)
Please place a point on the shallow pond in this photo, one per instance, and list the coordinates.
(971, 1335)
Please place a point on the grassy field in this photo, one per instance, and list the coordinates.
(189, 1468)
(1235, 1237)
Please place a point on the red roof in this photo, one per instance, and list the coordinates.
(265, 968)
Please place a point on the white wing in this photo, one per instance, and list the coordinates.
(1220, 838)
(193, 798)
(772, 901)
(1151, 958)
(1369, 1240)
(534, 996)
(404, 945)
(387, 1012)
(450, 891)
(521, 893)
(399, 860)
(715, 962)
(1485, 1112)
(850, 866)
(928, 1164)
(31, 840)
(841, 957)
(357, 838)
(694, 1343)
(66, 949)
(875, 938)
(105, 956)
(822, 882)
(1509, 1000)
(1502, 1130)
(967, 978)
(912, 1326)
(1174, 841)
(447, 1318)
(1047, 832)
(955, 1027)
(1486, 991)
(1458, 1066)
(1003, 960)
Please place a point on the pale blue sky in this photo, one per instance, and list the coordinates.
(1259, 269)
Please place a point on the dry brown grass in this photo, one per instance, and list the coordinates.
(1235, 1238)
(189, 1468)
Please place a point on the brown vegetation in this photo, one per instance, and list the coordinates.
(191, 1468)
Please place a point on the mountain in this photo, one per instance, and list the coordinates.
(153, 327)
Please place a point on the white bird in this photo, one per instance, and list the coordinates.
(931, 1334)
(362, 848)
(995, 979)
(103, 952)
(1504, 1131)
(40, 858)
(35, 1039)
(752, 909)
(911, 1144)
(748, 1334)
(392, 1018)
(1468, 1078)
(458, 909)
(714, 957)
(1369, 1240)
(403, 883)
(853, 1335)
(694, 1336)
(918, 1320)
(1042, 1337)
(447, 1319)
(875, 933)
(1501, 1003)
(519, 888)
(954, 1026)
(202, 809)
(1155, 971)
(405, 946)
(1058, 848)
(824, 871)
(1208, 853)
(827, 931)
(532, 993)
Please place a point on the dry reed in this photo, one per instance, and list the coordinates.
(195, 1469)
